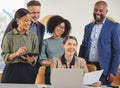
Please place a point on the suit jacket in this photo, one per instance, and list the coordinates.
(40, 31)
(108, 46)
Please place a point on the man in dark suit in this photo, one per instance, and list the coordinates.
(101, 43)
(36, 27)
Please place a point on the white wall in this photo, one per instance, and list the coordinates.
(79, 12)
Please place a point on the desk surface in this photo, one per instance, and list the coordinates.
(8, 85)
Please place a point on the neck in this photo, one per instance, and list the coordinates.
(68, 58)
(54, 36)
(32, 22)
(21, 31)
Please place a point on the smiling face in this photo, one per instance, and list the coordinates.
(34, 12)
(70, 47)
(23, 23)
(59, 30)
(100, 11)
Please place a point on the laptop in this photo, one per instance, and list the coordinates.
(66, 78)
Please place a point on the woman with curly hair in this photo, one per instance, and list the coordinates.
(52, 47)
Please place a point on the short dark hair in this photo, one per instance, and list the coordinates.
(70, 37)
(33, 3)
(101, 2)
(55, 21)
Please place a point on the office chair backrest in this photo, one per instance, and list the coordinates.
(40, 75)
(91, 67)
(116, 82)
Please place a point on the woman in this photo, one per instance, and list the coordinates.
(52, 47)
(68, 59)
(19, 69)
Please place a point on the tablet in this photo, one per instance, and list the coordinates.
(30, 54)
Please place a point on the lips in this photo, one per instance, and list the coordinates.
(97, 16)
(71, 50)
(60, 32)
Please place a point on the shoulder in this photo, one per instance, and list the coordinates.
(41, 25)
(30, 33)
(10, 33)
(112, 25)
(79, 59)
(56, 59)
(47, 40)
(89, 24)
(107, 21)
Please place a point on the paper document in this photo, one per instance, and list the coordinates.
(92, 77)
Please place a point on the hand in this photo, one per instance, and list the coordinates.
(28, 58)
(97, 84)
(111, 77)
(21, 50)
(46, 63)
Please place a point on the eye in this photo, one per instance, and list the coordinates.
(62, 27)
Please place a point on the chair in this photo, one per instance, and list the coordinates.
(116, 82)
(40, 75)
(91, 67)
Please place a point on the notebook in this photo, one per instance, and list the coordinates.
(66, 78)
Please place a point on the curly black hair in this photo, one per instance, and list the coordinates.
(57, 20)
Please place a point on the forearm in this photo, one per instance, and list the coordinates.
(46, 63)
(12, 56)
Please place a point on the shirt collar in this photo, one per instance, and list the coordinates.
(102, 21)
(16, 32)
(63, 60)
(35, 23)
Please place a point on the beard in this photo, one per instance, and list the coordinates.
(99, 18)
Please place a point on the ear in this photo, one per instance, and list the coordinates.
(106, 11)
(17, 20)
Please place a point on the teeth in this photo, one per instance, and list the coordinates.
(97, 16)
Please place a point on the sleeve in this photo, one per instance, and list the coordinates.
(43, 54)
(54, 63)
(35, 48)
(82, 64)
(82, 46)
(5, 49)
(115, 49)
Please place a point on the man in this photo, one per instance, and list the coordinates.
(38, 28)
(101, 43)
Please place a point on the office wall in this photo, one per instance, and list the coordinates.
(79, 12)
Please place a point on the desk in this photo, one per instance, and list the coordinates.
(8, 85)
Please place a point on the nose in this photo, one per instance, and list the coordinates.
(97, 12)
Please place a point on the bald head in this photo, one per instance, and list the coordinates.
(101, 3)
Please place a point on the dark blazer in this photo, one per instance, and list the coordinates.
(108, 46)
(40, 32)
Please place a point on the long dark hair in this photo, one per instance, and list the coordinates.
(19, 13)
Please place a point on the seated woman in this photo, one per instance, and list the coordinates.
(69, 60)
